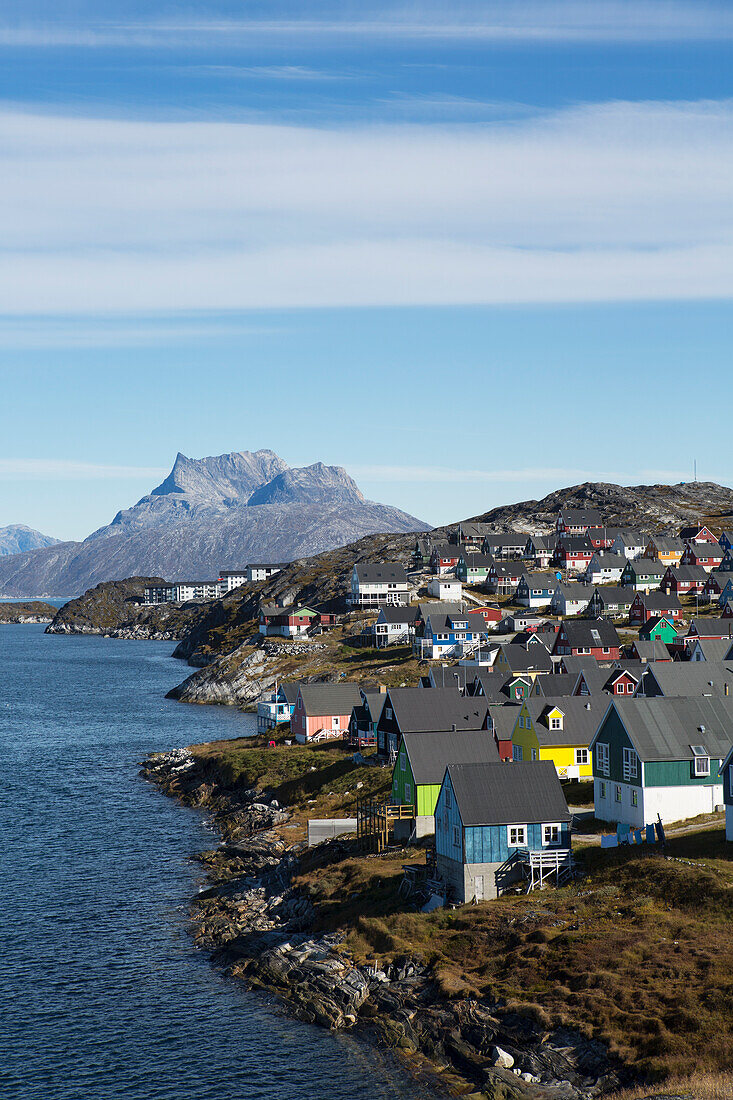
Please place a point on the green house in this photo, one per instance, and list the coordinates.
(658, 627)
(421, 762)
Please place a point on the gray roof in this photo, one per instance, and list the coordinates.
(540, 580)
(715, 649)
(290, 691)
(659, 601)
(577, 662)
(574, 543)
(326, 699)
(507, 794)
(652, 649)
(608, 561)
(576, 517)
(616, 594)
(590, 633)
(375, 702)
(685, 678)
(476, 561)
(715, 627)
(575, 591)
(397, 614)
(504, 717)
(667, 543)
(542, 542)
(431, 752)
(647, 567)
(437, 607)
(687, 572)
(582, 714)
(534, 659)
(664, 729)
(435, 709)
(388, 571)
(556, 685)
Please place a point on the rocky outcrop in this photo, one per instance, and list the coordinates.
(34, 611)
(256, 925)
(115, 610)
(649, 507)
(211, 514)
(242, 676)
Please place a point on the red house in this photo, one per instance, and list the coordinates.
(706, 554)
(587, 637)
(444, 558)
(621, 682)
(697, 533)
(574, 552)
(323, 711)
(711, 628)
(683, 579)
(490, 615)
(579, 521)
(648, 604)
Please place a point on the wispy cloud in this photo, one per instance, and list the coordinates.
(609, 202)
(537, 474)
(56, 469)
(533, 21)
(85, 331)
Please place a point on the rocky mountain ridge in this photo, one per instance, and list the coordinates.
(15, 538)
(211, 514)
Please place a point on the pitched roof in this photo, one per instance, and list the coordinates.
(431, 752)
(397, 613)
(667, 544)
(534, 659)
(651, 650)
(618, 594)
(540, 580)
(608, 561)
(542, 542)
(372, 573)
(691, 678)
(507, 794)
(574, 544)
(576, 517)
(660, 601)
(494, 685)
(375, 702)
(581, 715)
(323, 699)
(712, 628)
(687, 572)
(664, 729)
(437, 607)
(476, 561)
(574, 590)
(435, 709)
(715, 649)
(589, 633)
(556, 684)
(647, 567)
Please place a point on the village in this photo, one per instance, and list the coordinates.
(566, 683)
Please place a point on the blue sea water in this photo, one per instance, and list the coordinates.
(102, 993)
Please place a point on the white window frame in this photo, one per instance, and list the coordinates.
(630, 765)
(702, 766)
(581, 757)
(516, 836)
(555, 723)
(634, 797)
(603, 758)
(618, 794)
(603, 786)
(549, 841)
(516, 753)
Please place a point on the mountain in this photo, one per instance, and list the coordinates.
(210, 514)
(648, 507)
(16, 537)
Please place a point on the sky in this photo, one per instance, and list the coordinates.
(472, 252)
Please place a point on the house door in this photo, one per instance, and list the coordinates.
(478, 887)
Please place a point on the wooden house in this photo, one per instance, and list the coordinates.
(421, 762)
(648, 605)
(605, 568)
(365, 719)
(631, 544)
(323, 711)
(698, 533)
(491, 819)
(684, 580)
(710, 628)
(445, 587)
(573, 553)
(503, 578)
(535, 589)
(570, 599)
(559, 730)
(643, 574)
(444, 557)
(395, 625)
(590, 637)
(660, 758)
(578, 521)
(688, 678)
(409, 710)
(646, 651)
(666, 549)
(659, 627)
(473, 568)
(375, 584)
(505, 545)
(612, 602)
(540, 549)
(707, 555)
(292, 622)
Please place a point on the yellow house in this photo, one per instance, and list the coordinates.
(665, 549)
(559, 729)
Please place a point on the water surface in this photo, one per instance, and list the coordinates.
(102, 994)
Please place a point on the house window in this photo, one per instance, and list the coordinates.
(447, 797)
(456, 837)
(521, 721)
(516, 835)
(550, 834)
(602, 790)
(634, 797)
(402, 761)
(602, 758)
(631, 765)
(335, 722)
(516, 752)
(581, 756)
(408, 792)
(618, 793)
(534, 754)
(555, 723)
(387, 712)
(702, 765)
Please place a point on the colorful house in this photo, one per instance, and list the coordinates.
(323, 711)
(686, 678)
(450, 635)
(605, 568)
(658, 627)
(573, 552)
(578, 521)
(411, 710)
(421, 762)
(473, 568)
(648, 605)
(491, 820)
(559, 730)
(613, 602)
(587, 637)
(660, 758)
(540, 549)
(726, 774)
(698, 533)
(503, 578)
(643, 574)
(708, 555)
(535, 589)
(292, 622)
(684, 579)
(570, 599)
(664, 548)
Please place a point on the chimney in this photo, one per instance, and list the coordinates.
(453, 728)
(382, 689)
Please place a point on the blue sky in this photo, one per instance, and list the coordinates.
(472, 252)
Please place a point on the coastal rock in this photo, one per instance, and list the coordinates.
(502, 1058)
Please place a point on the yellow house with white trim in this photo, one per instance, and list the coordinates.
(559, 729)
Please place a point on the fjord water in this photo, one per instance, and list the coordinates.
(102, 994)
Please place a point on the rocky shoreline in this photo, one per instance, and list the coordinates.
(260, 929)
(28, 612)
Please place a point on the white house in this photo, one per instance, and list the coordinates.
(605, 568)
(631, 544)
(445, 588)
(570, 599)
(395, 625)
(196, 590)
(373, 585)
(232, 578)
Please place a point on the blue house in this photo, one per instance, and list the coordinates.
(498, 823)
(726, 773)
(451, 635)
(276, 707)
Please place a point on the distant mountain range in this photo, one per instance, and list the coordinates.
(210, 514)
(16, 537)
